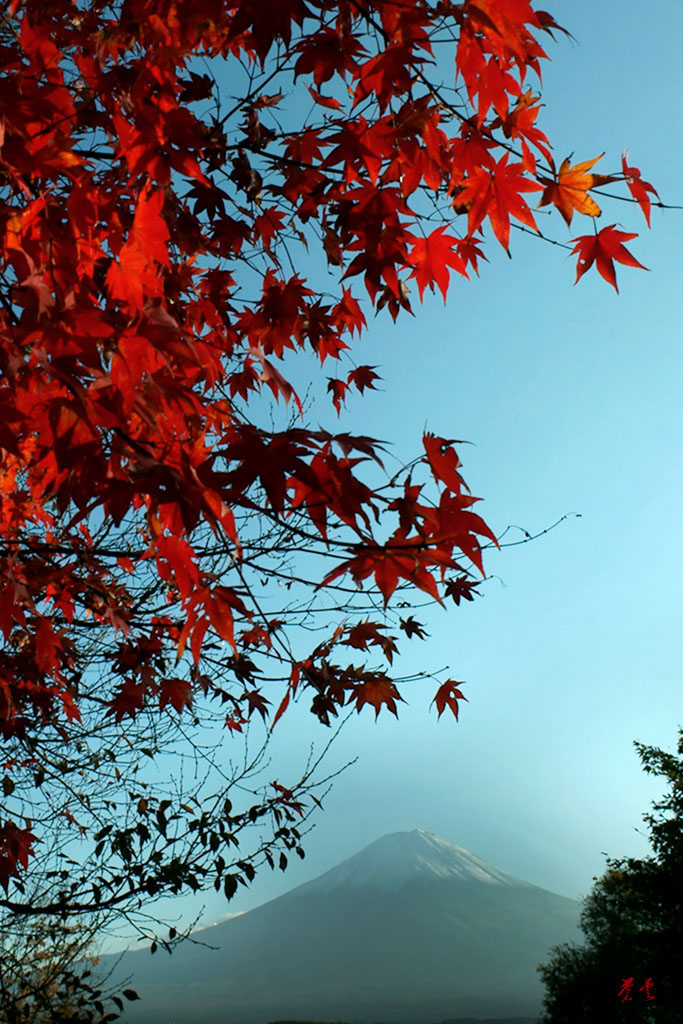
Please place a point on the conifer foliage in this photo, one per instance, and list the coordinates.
(198, 197)
(629, 967)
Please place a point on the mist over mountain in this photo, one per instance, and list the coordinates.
(409, 930)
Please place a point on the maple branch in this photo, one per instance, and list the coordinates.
(544, 238)
(630, 199)
(529, 536)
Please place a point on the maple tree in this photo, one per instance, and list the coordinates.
(167, 171)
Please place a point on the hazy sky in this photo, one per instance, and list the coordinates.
(572, 399)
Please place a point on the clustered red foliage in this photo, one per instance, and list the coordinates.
(147, 295)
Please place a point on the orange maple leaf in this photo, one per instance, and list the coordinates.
(568, 191)
(603, 249)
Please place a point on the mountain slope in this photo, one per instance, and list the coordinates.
(410, 929)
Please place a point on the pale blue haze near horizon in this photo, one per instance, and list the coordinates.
(572, 399)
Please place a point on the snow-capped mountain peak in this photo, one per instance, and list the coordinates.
(400, 857)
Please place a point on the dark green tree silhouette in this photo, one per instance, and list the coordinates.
(633, 924)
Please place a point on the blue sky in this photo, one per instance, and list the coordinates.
(571, 397)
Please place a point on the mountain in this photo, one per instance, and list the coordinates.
(409, 930)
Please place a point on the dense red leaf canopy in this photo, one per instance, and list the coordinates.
(172, 172)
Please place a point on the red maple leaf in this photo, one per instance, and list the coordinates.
(638, 188)
(15, 849)
(363, 377)
(324, 101)
(447, 696)
(256, 702)
(135, 273)
(443, 461)
(366, 632)
(338, 389)
(431, 257)
(129, 699)
(176, 692)
(378, 691)
(325, 54)
(496, 193)
(603, 249)
(47, 646)
(413, 628)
